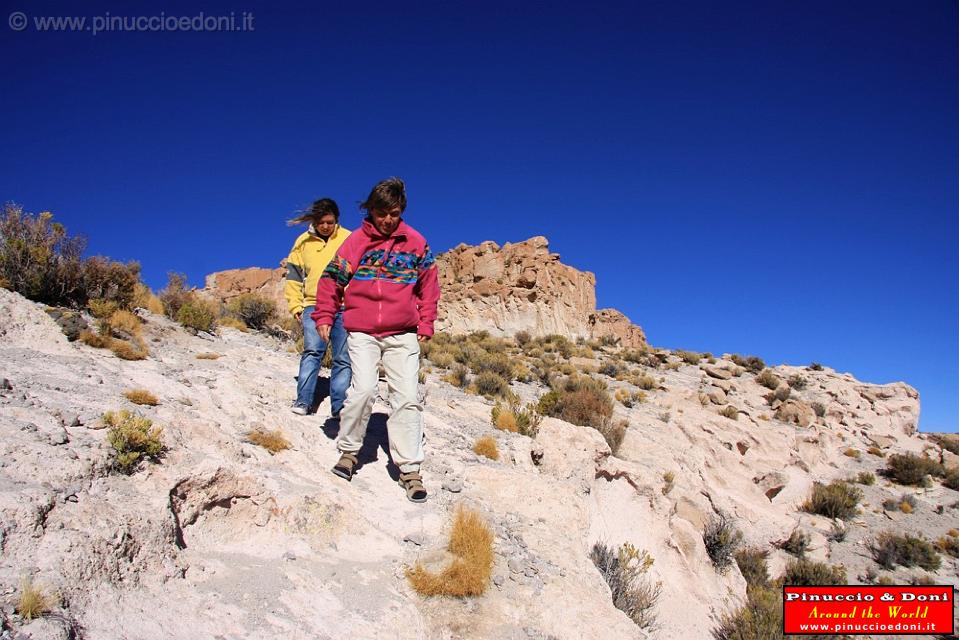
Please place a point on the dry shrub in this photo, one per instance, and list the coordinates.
(198, 314)
(753, 363)
(174, 295)
(910, 469)
(129, 350)
(629, 398)
(722, 540)
(491, 384)
(645, 382)
(951, 479)
(625, 571)
(273, 441)
(505, 420)
(768, 379)
(42, 262)
(458, 376)
(890, 549)
(579, 400)
(486, 446)
(797, 382)
(122, 324)
(689, 357)
(522, 338)
(33, 602)
(100, 308)
(95, 340)
(613, 433)
(133, 438)
(515, 418)
(254, 309)
(207, 355)
(669, 477)
(144, 298)
(752, 564)
(866, 477)
(838, 499)
(729, 411)
(797, 544)
(442, 359)
(233, 323)
(807, 573)
(949, 545)
(141, 396)
(948, 441)
(471, 542)
(761, 618)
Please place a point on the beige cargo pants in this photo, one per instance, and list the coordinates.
(400, 355)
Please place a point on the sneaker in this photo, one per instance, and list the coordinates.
(335, 415)
(299, 409)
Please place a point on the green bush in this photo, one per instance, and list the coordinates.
(752, 564)
(890, 549)
(838, 499)
(722, 540)
(625, 572)
(198, 314)
(253, 309)
(761, 618)
(491, 384)
(806, 573)
(910, 469)
(133, 438)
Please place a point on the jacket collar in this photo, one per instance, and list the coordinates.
(313, 234)
(402, 230)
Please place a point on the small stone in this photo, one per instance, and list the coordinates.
(58, 438)
(498, 580)
(5, 385)
(516, 565)
(416, 538)
(289, 556)
(453, 486)
(70, 420)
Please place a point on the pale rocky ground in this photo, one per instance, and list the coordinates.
(222, 540)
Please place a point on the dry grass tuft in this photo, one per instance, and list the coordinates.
(233, 323)
(273, 441)
(729, 411)
(128, 350)
(486, 446)
(141, 396)
(471, 541)
(33, 602)
(124, 324)
(852, 453)
(95, 340)
(207, 355)
(505, 420)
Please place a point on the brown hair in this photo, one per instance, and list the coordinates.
(387, 194)
(319, 208)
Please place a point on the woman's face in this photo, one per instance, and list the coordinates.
(386, 220)
(325, 225)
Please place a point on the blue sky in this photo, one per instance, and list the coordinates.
(774, 178)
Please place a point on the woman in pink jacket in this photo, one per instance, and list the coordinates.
(390, 307)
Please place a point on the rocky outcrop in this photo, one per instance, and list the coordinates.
(225, 285)
(520, 286)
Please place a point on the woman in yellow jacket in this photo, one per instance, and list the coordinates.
(311, 253)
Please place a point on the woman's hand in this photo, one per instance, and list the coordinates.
(324, 331)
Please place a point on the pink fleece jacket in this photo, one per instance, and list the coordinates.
(392, 281)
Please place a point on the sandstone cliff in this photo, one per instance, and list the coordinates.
(517, 287)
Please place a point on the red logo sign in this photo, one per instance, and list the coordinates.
(869, 609)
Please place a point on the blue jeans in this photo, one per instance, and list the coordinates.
(314, 348)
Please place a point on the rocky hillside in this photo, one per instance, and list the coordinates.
(220, 539)
(520, 286)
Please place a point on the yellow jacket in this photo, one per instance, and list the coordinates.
(305, 265)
